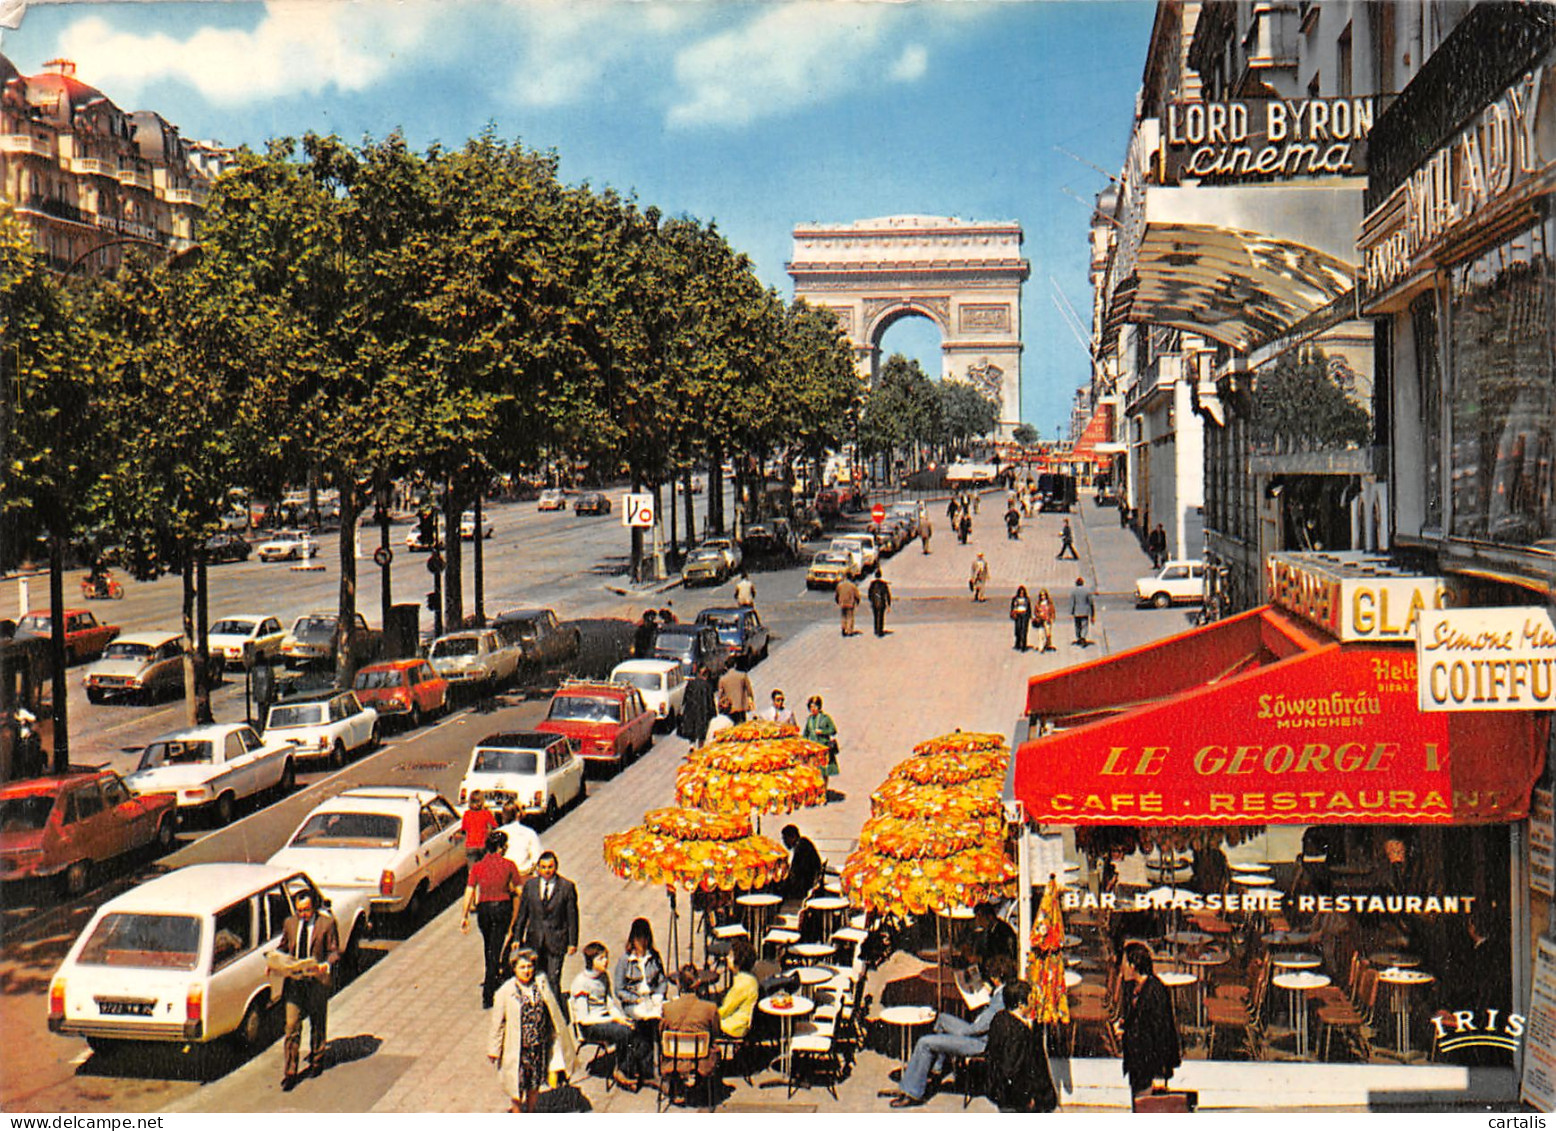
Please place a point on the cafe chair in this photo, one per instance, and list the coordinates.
(734, 1056)
(601, 1048)
(812, 1043)
(680, 1054)
(1356, 1022)
(970, 1075)
(1240, 1018)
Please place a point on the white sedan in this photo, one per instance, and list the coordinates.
(662, 683)
(1176, 583)
(400, 843)
(228, 636)
(288, 545)
(467, 527)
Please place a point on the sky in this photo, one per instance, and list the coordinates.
(757, 116)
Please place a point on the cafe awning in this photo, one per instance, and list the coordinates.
(1263, 719)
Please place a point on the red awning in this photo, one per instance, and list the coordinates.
(1099, 430)
(1260, 720)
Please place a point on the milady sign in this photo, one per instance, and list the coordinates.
(1263, 138)
(1486, 660)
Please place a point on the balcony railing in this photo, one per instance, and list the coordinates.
(25, 143)
(136, 178)
(56, 208)
(95, 167)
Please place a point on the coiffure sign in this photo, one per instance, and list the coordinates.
(1353, 605)
(1266, 138)
(1486, 660)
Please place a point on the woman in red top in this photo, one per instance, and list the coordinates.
(493, 883)
(477, 823)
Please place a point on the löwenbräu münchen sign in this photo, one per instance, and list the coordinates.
(1265, 139)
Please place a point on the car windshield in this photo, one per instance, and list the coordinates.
(232, 628)
(505, 762)
(831, 558)
(125, 650)
(643, 681)
(706, 556)
(25, 814)
(722, 620)
(348, 830)
(34, 623)
(296, 715)
(584, 709)
(175, 752)
(151, 942)
(677, 645)
(370, 679)
(314, 627)
(456, 646)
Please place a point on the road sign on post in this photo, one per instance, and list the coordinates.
(637, 510)
(878, 513)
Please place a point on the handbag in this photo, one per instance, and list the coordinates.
(1167, 1100)
(832, 767)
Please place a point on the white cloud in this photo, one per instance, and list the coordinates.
(911, 65)
(298, 46)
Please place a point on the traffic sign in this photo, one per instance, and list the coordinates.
(435, 563)
(878, 512)
(637, 510)
(382, 557)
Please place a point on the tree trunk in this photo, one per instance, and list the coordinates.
(637, 534)
(659, 498)
(191, 665)
(479, 562)
(691, 509)
(350, 511)
(715, 519)
(202, 684)
(453, 560)
(59, 689)
(385, 578)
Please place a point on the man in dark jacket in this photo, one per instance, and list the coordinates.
(1019, 1079)
(1148, 1028)
(547, 921)
(697, 708)
(804, 864)
(879, 595)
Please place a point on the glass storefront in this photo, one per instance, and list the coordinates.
(1502, 403)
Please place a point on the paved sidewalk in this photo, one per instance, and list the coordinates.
(409, 1035)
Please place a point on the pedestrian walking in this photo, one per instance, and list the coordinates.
(476, 824)
(953, 510)
(1123, 515)
(778, 712)
(1083, 607)
(1012, 523)
(519, 1041)
(847, 598)
(745, 592)
(1019, 1079)
(1043, 613)
(879, 595)
(491, 885)
(736, 696)
(980, 576)
(1149, 1031)
(698, 706)
(1067, 542)
(547, 921)
(819, 727)
(924, 531)
(964, 528)
(1021, 616)
(643, 635)
(1156, 545)
(310, 938)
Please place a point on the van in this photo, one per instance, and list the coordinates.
(184, 958)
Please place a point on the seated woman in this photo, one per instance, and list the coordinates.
(739, 1004)
(600, 1018)
(640, 972)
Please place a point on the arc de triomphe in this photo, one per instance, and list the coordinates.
(963, 275)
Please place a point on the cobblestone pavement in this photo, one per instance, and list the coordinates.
(409, 1035)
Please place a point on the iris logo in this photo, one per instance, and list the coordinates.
(1465, 1029)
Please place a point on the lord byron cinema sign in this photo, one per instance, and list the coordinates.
(1265, 139)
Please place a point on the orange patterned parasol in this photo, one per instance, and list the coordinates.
(692, 849)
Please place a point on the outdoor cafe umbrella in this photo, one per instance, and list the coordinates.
(962, 742)
(772, 774)
(976, 800)
(755, 730)
(695, 850)
(952, 769)
(1047, 970)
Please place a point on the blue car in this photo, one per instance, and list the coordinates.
(740, 630)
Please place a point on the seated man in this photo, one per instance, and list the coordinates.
(804, 865)
(953, 1037)
(689, 1013)
(991, 935)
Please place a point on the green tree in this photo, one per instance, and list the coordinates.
(1296, 407)
(1024, 434)
(902, 408)
(964, 414)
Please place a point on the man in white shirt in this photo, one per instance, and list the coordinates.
(777, 712)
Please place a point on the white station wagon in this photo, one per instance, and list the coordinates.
(395, 844)
(229, 635)
(540, 773)
(323, 724)
(1181, 582)
(662, 683)
(184, 958)
(217, 765)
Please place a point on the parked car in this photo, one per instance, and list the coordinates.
(184, 958)
(288, 545)
(312, 641)
(706, 565)
(1177, 582)
(609, 721)
(829, 504)
(729, 547)
(912, 513)
(537, 771)
(417, 538)
(828, 568)
(85, 636)
(410, 690)
(214, 767)
(741, 631)
(138, 665)
(692, 646)
(544, 642)
(394, 844)
(467, 527)
(323, 724)
(552, 499)
(229, 636)
(771, 541)
(855, 553)
(65, 825)
(227, 547)
(869, 549)
(592, 502)
(661, 682)
(474, 658)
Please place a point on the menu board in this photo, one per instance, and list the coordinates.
(1538, 1087)
(1542, 844)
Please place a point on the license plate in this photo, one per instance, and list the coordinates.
(110, 1007)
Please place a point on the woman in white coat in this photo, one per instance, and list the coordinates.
(521, 1033)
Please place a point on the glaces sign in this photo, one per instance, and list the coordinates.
(1349, 607)
(1266, 138)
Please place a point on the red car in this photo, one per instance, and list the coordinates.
(402, 689)
(85, 637)
(609, 721)
(66, 825)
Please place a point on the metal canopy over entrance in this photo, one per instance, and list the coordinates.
(964, 276)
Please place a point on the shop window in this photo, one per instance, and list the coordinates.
(1503, 400)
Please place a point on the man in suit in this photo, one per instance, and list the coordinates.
(735, 688)
(308, 934)
(548, 920)
(804, 864)
(691, 1014)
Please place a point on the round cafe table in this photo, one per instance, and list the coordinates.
(814, 975)
(1250, 869)
(1295, 960)
(1253, 880)
(1400, 983)
(786, 1012)
(906, 1018)
(758, 907)
(1188, 938)
(1398, 959)
(1297, 984)
(828, 906)
(1072, 979)
(1176, 980)
(1203, 963)
(810, 953)
(1287, 938)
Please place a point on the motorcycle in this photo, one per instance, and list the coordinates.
(101, 588)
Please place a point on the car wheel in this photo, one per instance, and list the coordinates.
(251, 1031)
(77, 878)
(1161, 601)
(551, 811)
(226, 809)
(351, 957)
(763, 654)
(415, 717)
(416, 909)
(337, 755)
(374, 738)
(165, 834)
(94, 697)
(288, 777)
